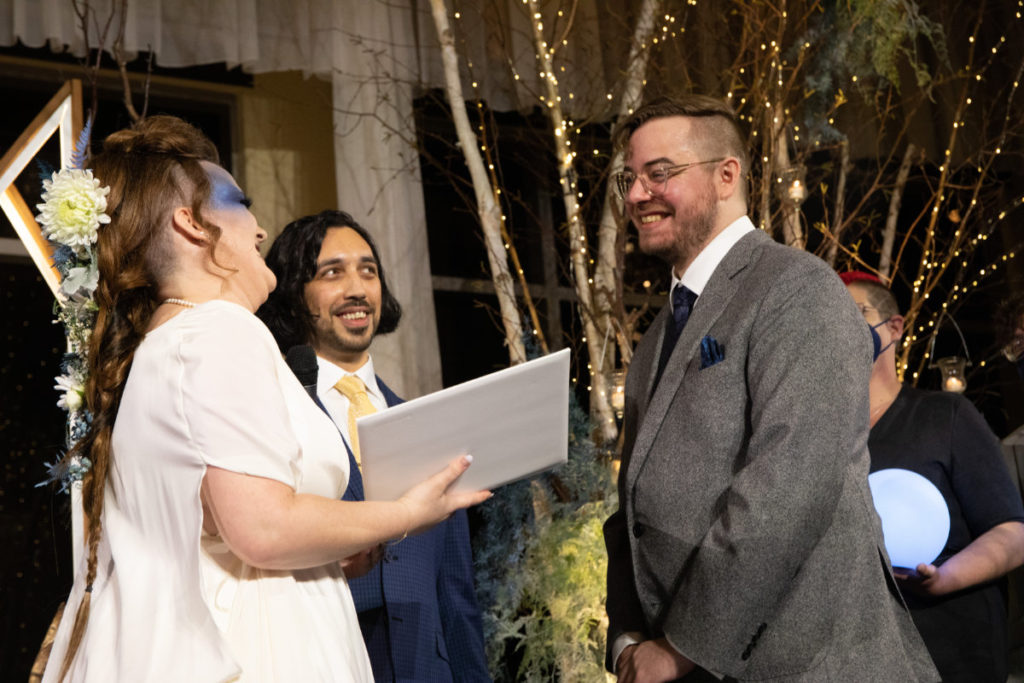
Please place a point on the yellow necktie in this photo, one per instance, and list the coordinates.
(352, 388)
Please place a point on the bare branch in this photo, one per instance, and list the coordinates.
(579, 249)
(889, 236)
(840, 201)
(611, 234)
(487, 206)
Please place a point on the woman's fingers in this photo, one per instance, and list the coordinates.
(450, 474)
(453, 471)
(468, 498)
(435, 503)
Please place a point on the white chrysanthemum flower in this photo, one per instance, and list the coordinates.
(73, 397)
(74, 206)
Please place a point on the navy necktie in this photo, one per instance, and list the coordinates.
(683, 300)
(682, 303)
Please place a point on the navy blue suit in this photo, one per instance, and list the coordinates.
(417, 607)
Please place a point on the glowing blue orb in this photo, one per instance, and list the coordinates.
(915, 519)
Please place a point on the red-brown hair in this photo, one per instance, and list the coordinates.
(150, 168)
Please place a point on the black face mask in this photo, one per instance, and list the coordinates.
(876, 341)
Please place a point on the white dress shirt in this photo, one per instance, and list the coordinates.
(697, 275)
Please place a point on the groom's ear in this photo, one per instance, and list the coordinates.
(728, 178)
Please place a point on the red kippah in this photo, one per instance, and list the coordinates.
(859, 276)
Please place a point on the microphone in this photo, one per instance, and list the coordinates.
(302, 360)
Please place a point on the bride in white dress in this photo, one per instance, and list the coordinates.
(214, 525)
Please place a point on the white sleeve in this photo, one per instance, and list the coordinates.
(234, 408)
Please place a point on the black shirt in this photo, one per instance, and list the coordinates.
(943, 437)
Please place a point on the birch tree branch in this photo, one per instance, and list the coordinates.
(892, 218)
(607, 274)
(488, 209)
(600, 406)
(837, 213)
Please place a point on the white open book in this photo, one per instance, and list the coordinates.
(514, 422)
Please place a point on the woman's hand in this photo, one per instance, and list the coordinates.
(430, 502)
(925, 580)
(362, 562)
(268, 525)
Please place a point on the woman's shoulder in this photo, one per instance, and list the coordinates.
(940, 409)
(934, 399)
(221, 328)
(228, 313)
(218, 318)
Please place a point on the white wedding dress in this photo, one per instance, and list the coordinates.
(171, 603)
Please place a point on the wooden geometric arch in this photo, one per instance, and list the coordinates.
(61, 115)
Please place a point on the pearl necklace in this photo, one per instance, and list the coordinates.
(180, 302)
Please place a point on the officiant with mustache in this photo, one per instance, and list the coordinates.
(746, 545)
(416, 599)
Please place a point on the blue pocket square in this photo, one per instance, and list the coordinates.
(711, 352)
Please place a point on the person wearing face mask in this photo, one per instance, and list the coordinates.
(956, 601)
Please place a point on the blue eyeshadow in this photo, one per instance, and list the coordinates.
(224, 195)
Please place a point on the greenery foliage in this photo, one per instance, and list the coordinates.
(540, 567)
(867, 43)
(564, 588)
(887, 35)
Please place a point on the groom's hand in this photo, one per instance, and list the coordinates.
(652, 661)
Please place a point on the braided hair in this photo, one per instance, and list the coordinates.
(150, 168)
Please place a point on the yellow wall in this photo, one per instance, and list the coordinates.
(282, 130)
(286, 156)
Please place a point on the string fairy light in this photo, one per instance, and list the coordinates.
(933, 266)
(493, 171)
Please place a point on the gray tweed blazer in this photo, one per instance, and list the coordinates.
(746, 534)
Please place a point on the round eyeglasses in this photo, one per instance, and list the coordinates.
(654, 179)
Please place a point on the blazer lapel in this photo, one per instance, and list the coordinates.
(354, 490)
(390, 397)
(647, 364)
(719, 290)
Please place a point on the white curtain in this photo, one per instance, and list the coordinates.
(377, 54)
(377, 170)
(318, 37)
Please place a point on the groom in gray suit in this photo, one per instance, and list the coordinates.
(746, 545)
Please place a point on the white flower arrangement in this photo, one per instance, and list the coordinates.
(72, 212)
(73, 209)
(73, 397)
